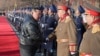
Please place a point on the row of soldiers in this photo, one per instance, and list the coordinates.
(58, 27)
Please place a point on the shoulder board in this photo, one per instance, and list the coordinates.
(96, 29)
(68, 18)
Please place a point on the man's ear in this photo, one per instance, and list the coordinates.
(32, 12)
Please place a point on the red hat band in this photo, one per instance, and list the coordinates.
(94, 13)
(62, 8)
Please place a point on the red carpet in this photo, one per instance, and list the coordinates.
(9, 45)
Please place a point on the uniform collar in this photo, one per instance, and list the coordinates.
(63, 17)
(94, 22)
(95, 25)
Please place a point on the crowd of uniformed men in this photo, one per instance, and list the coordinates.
(58, 29)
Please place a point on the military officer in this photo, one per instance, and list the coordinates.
(49, 23)
(79, 24)
(90, 45)
(65, 33)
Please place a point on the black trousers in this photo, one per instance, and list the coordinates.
(28, 50)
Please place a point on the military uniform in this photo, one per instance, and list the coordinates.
(91, 40)
(66, 33)
(79, 24)
(48, 24)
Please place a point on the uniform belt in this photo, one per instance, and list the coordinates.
(62, 40)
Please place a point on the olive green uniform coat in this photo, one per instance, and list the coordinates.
(65, 30)
(91, 41)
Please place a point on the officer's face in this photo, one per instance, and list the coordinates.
(36, 14)
(89, 17)
(61, 13)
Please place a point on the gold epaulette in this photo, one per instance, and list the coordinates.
(68, 18)
(96, 29)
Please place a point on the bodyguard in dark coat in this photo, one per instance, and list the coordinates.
(90, 45)
(31, 39)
